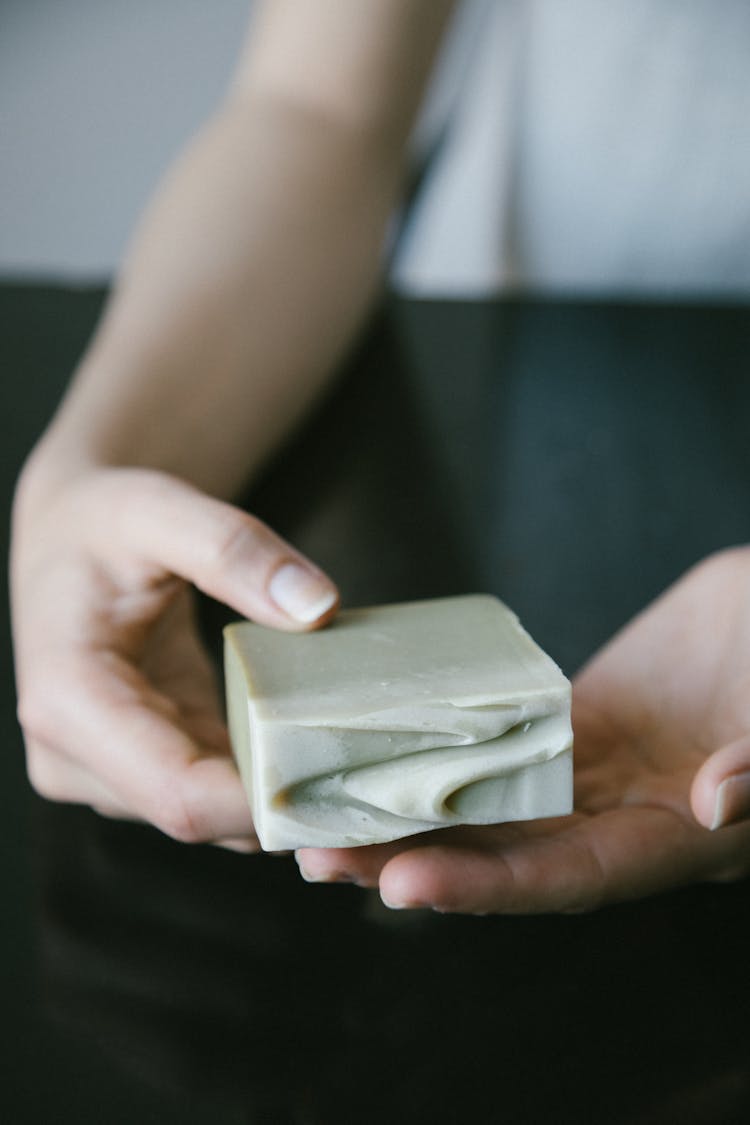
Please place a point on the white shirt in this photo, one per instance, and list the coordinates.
(586, 146)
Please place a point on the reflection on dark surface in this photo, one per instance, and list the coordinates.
(598, 450)
(222, 981)
(574, 460)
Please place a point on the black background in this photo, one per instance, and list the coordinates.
(573, 459)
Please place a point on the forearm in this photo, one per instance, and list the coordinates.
(245, 282)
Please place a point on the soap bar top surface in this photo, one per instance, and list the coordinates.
(397, 719)
(468, 650)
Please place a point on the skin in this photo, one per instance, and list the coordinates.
(246, 282)
(661, 717)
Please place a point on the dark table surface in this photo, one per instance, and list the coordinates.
(572, 458)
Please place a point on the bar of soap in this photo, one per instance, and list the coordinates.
(397, 719)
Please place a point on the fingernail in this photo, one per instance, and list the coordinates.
(401, 904)
(328, 877)
(301, 593)
(732, 801)
(310, 877)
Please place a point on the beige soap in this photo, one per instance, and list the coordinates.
(397, 719)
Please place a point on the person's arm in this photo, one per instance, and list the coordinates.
(247, 279)
(255, 263)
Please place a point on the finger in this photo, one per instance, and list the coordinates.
(129, 738)
(245, 845)
(363, 865)
(623, 854)
(720, 793)
(347, 865)
(225, 552)
(191, 797)
(56, 778)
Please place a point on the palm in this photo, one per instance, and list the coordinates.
(151, 673)
(140, 649)
(135, 701)
(649, 710)
(173, 663)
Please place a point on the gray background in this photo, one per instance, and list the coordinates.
(96, 97)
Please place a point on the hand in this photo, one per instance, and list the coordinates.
(117, 698)
(662, 754)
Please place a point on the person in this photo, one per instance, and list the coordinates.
(246, 281)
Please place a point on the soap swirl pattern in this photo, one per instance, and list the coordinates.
(453, 764)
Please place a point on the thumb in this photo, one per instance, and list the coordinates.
(720, 793)
(230, 555)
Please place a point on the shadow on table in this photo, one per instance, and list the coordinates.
(225, 981)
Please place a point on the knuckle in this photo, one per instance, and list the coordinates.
(109, 810)
(35, 716)
(177, 816)
(237, 537)
(44, 780)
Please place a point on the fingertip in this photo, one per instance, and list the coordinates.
(234, 557)
(703, 799)
(397, 893)
(732, 801)
(329, 614)
(304, 594)
(245, 845)
(419, 879)
(720, 793)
